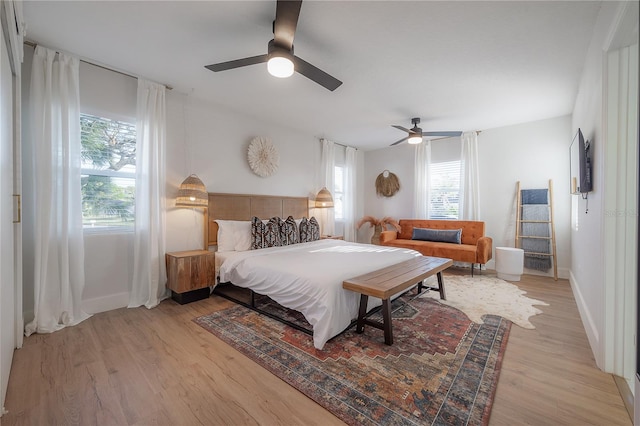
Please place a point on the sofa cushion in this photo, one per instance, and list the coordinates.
(459, 252)
(438, 235)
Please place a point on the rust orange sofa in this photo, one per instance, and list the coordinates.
(475, 247)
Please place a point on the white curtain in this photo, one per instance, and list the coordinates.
(469, 178)
(149, 270)
(327, 170)
(350, 194)
(422, 195)
(59, 245)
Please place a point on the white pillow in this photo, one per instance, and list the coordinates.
(226, 235)
(242, 235)
(234, 235)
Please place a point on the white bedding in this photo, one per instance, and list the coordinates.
(308, 277)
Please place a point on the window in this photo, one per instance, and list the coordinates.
(108, 172)
(445, 190)
(338, 192)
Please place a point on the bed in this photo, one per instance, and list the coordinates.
(306, 277)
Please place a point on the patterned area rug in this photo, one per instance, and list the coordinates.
(441, 369)
(481, 295)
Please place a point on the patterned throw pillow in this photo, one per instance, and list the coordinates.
(305, 232)
(257, 233)
(314, 229)
(289, 232)
(272, 233)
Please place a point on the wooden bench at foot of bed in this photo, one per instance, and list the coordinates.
(387, 282)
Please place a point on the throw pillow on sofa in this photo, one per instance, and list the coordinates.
(438, 235)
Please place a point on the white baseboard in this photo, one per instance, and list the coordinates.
(106, 303)
(587, 321)
(636, 404)
(625, 393)
(563, 273)
(94, 306)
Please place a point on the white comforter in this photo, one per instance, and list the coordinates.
(308, 277)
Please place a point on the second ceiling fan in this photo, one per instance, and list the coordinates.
(415, 134)
(281, 62)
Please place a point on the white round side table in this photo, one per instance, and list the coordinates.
(509, 263)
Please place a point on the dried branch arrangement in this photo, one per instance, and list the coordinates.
(385, 222)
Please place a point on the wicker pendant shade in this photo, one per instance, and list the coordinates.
(192, 193)
(324, 199)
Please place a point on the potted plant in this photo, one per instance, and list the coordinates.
(378, 226)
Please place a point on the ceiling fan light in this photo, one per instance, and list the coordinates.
(280, 66)
(415, 139)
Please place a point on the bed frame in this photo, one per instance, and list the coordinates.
(244, 207)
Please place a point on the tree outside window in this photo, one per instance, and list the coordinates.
(108, 172)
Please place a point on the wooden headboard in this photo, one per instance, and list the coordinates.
(244, 207)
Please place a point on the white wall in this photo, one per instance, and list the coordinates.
(531, 153)
(399, 160)
(108, 260)
(587, 240)
(212, 143)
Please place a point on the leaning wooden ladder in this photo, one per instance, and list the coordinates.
(552, 234)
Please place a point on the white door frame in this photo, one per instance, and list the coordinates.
(12, 29)
(620, 201)
(12, 13)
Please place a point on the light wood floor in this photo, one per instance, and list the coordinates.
(146, 367)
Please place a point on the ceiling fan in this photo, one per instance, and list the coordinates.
(281, 62)
(415, 134)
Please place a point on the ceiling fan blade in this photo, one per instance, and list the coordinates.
(223, 66)
(316, 74)
(449, 134)
(284, 27)
(401, 128)
(400, 141)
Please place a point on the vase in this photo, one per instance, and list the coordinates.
(375, 238)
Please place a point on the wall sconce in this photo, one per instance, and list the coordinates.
(324, 200)
(192, 193)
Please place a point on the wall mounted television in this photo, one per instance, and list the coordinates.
(581, 164)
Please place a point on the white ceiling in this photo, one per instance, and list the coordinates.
(457, 65)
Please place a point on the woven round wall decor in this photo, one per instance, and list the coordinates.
(263, 157)
(387, 184)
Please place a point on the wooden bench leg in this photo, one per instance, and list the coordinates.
(443, 296)
(386, 317)
(361, 313)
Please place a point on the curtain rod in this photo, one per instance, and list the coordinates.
(342, 145)
(34, 45)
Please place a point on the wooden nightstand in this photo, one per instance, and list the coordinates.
(189, 274)
(331, 237)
